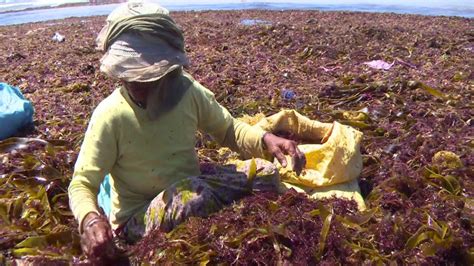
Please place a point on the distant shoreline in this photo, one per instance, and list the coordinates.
(39, 14)
(60, 6)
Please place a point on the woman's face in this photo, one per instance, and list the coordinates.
(139, 91)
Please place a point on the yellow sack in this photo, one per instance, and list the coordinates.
(347, 190)
(332, 167)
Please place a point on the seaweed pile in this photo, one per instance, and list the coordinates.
(416, 118)
(264, 228)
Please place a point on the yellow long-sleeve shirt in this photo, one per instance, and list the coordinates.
(144, 157)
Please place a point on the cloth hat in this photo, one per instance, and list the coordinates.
(141, 43)
(126, 10)
(141, 58)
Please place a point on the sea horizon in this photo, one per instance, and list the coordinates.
(45, 13)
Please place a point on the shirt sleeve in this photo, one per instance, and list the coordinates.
(96, 158)
(215, 120)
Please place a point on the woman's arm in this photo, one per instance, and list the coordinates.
(97, 156)
(96, 159)
(215, 120)
(249, 141)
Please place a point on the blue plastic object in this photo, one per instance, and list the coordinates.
(288, 94)
(15, 111)
(103, 199)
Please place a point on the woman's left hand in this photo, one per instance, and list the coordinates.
(279, 147)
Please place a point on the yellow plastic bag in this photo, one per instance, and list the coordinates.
(347, 190)
(332, 167)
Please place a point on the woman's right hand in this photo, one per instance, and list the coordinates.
(96, 238)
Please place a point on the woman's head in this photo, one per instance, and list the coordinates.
(144, 49)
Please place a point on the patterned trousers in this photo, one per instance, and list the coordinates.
(200, 196)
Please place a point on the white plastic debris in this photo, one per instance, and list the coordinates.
(379, 64)
(364, 110)
(58, 37)
(329, 69)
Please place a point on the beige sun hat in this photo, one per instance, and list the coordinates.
(139, 41)
(129, 9)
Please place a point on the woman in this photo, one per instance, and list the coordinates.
(143, 134)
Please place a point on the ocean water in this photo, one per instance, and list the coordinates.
(12, 5)
(434, 8)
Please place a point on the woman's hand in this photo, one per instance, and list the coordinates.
(279, 147)
(96, 238)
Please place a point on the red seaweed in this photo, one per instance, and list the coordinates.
(420, 208)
